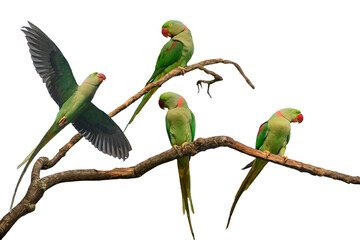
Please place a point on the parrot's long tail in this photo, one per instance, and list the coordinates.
(258, 165)
(48, 136)
(144, 100)
(184, 176)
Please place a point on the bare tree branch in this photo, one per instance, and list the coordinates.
(38, 185)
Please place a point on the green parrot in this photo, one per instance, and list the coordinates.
(180, 127)
(74, 101)
(175, 53)
(273, 136)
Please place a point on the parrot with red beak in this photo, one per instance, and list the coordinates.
(180, 127)
(272, 137)
(176, 53)
(74, 101)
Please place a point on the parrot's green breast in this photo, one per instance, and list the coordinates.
(186, 39)
(179, 122)
(278, 135)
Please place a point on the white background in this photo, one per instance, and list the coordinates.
(299, 54)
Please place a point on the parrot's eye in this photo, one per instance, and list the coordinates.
(294, 111)
(170, 24)
(165, 99)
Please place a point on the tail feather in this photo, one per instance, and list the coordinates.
(184, 176)
(144, 100)
(256, 168)
(47, 137)
(248, 165)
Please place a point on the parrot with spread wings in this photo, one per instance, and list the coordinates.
(74, 101)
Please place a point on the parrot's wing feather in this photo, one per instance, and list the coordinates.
(97, 127)
(51, 65)
(168, 130)
(192, 125)
(170, 53)
(261, 136)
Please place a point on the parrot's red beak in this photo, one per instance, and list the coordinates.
(161, 104)
(165, 32)
(101, 77)
(299, 118)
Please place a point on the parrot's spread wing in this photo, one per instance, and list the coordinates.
(50, 64)
(97, 127)
(170, 53)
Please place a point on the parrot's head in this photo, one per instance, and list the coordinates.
(172, 28)
(291, 114)
(95, 79)
(171, 100)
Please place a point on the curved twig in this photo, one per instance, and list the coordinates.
(217, 78)
(39, 185)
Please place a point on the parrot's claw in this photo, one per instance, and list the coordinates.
(182, 70)
(175, 147)
(183, 145)
(62, 122)
(267, 153)
(285, 159)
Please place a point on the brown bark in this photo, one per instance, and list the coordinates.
(39, 185)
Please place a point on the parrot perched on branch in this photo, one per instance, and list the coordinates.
(175, 53)
(273, 136)
(74, 101)
(180, 127)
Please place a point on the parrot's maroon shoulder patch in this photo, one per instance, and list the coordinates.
(261, 128)
(172, 46)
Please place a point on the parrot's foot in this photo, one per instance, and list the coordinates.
(183, 145)
(182, 70)
(285, 159)
(62, 122)
(267, 153)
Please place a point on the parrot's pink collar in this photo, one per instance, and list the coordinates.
(279, 114)
(85, 82)
(180, 101)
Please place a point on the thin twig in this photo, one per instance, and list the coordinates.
(217, 78)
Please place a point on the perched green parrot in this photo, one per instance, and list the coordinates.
(175, 53)
(273, 136)
(180, 127)
(74, 101)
